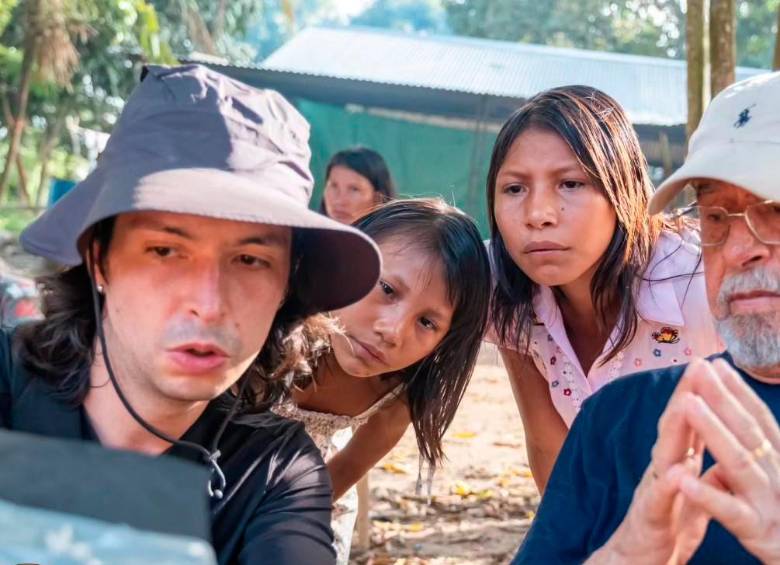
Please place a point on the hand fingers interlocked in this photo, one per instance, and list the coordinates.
(713, 407)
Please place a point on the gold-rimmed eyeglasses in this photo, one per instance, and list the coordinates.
(762, 218)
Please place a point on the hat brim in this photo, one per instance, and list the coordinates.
(340, 264)
(752, 166)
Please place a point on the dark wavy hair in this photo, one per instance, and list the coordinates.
(434, 386)
(59, 349)
(599, 133)
(367, 163)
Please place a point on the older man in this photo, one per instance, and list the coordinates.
(192, 257)
(683, 464)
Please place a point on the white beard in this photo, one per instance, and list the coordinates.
(753, 340)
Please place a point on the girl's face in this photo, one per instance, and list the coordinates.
(402, 320)
(348, 195)
(555, 223)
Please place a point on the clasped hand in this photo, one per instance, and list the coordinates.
(711, 408)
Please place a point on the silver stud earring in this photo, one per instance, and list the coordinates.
(100, 288)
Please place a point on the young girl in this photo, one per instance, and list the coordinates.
(588, 286)
(404, 353)
(356, 180)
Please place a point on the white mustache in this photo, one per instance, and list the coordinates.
(758, 279)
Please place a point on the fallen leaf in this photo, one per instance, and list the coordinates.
(461, 488)
(504, 481)
(464, 435)
(396, 468)
(485, 494)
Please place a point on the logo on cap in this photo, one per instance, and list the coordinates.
(744, 117)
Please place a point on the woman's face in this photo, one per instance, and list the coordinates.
(402, 320)
(348, 195)
(555, 223)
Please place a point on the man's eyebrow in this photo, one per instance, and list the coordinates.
(152, 225)
(267, 240)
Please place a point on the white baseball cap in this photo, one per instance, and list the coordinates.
(737, 141)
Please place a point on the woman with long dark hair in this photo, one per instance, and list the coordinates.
(588, 286)
(356, 180)
(404, 354)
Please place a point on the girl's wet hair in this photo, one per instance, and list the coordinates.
(600, 135)
(369, 164)
(435, 385)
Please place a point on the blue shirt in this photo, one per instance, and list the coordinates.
(601, 463)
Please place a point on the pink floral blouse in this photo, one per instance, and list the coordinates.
(675, 324)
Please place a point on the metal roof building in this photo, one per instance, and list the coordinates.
(432, 105)
(652, 90)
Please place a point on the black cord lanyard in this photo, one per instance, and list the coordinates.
(211, 457)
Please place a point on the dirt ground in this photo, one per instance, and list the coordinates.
(483, 499)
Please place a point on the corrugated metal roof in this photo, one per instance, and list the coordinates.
(652, 90)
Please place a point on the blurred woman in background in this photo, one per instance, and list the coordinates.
(356, 180)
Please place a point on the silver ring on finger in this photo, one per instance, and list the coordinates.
(762, 450)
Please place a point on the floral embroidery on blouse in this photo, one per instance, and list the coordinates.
(673, 321)
(667, 335)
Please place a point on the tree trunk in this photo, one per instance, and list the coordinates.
(288, 9)
(23, 192)
(698, 93)
(32, 46)
(10, 122)
(219, 21)
(723, 43)
(776, 61)
(8, 116)
(20, 119)
(48, 145)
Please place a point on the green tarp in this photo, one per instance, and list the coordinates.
(425, 160)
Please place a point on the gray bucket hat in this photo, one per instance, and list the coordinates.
(193, 141)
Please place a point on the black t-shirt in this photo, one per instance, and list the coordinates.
(277, 504)
(601, 463)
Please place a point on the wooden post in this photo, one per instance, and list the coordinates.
(666, 154)
(363, 518)
(776, 62)
(698, 93)
(723, 43)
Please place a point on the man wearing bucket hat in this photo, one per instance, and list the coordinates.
(191, 257)
(691, 470)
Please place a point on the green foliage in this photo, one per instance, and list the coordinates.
(642, 27)
(278, 20)
(147, 27)
(214, 27)
(15, 220)
(646, 27)
(404, 15)
(756, 32)
(10, 64)
(6, 11)
(111, 38)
